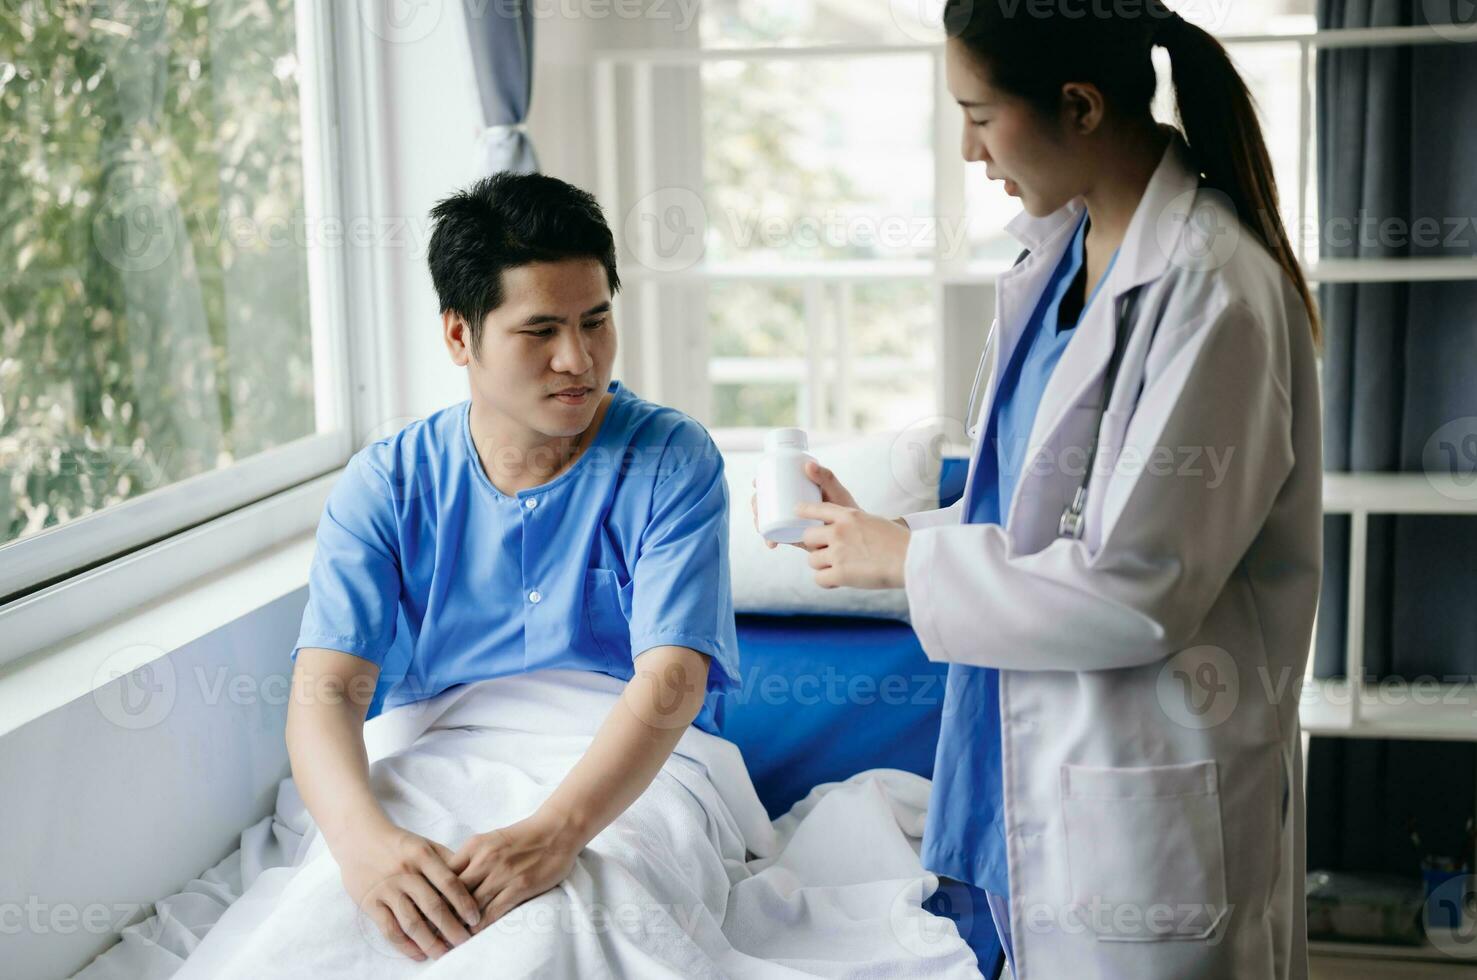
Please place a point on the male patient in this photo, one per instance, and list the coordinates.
(554, 520)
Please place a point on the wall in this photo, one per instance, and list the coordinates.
(110, 804)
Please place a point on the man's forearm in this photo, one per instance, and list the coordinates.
(633, 743)
(325, 742)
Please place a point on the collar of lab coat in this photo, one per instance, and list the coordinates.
(1152, 234)
(1152, 237)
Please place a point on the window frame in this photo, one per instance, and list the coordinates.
(278, 493)
(955, 278)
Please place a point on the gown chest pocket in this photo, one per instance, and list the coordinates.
(1145, 851)
(605, 616)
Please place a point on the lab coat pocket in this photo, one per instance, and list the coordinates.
(1145, 852)
(606, 618)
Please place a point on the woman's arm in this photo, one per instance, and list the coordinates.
(1172, 534)
(1165, 556)
(508, 866)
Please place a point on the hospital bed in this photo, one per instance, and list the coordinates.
(822, 697)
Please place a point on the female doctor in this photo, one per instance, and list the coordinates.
(1125, 593)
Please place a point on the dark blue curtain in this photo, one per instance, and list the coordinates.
(1396, 142)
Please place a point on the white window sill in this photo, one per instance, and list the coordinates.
(65, 641)
(49, 678)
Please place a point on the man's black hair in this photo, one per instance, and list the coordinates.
(504, 221)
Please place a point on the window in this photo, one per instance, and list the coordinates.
(163, 355)
(847, 253)
(799, 175)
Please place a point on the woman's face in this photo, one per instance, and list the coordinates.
(1016, 143)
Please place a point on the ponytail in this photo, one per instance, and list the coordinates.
(1219, 120)
(1032, 56)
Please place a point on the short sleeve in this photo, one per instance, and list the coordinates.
(354, 583)
(682, 594)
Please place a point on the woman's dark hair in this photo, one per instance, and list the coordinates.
(504, 221)
(1032, 48)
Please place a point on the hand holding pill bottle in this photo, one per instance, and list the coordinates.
(781, 484)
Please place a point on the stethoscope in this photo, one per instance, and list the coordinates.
(1072, 521)
(972, 427)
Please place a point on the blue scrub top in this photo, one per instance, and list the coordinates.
(421, 561)
(965, 833)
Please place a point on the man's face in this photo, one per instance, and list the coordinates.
(554, 331)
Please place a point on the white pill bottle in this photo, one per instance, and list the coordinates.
(781, 484)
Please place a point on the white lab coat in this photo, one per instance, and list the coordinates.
(1150, 836)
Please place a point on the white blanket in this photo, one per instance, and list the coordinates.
(692, 881)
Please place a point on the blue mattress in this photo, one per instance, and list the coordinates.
(825, 697)
(844, 694)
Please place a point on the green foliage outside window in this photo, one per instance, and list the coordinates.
(154, 298)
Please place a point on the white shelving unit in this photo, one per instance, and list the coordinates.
(1387, 952)
(1353, 706)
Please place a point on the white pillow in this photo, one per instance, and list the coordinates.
(889, 473)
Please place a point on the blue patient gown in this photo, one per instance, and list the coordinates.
(965, 836)
(425, 568)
